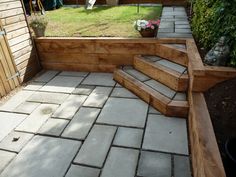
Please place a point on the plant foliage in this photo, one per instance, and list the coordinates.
(213, 19)
(39, 22)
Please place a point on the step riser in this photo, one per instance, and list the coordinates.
(178, 107)
(175, 55)
(167, 77)
(150, 96)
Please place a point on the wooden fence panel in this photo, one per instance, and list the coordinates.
(18, 35)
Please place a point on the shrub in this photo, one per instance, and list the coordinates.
(213, 19)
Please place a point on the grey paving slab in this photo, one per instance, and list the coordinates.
(181, 17)
(34, 86)
(138, 75)
(120, 163)
(6, 158)
(174, 35)
(15, 141)
(179, 46)
(161, 88)
(96, 146)
(182, 26)
(75, 74)
(81, 123)
(166, 134)
(62, 84)
(153, 111)
(45, 97)
(179, 8)
(122, 92)
(122, 111)
(181, 166)
(26, 107)
(180, 96)
(168, 9)
(102, 79)
(172, 65)
(16, 100)
(69, 107)
(168, 16)
(53, 127)
(183, 22)
(38, 117)
(151, 58)
(166, 25)
(83, 89)
(128, 137)
(47, 76)
(82, 171)
(174, 13)
(8, 121)
(154, 164)
(184, 30)
(98, 97)
(168, 19)
(43, 157)
(166, 30)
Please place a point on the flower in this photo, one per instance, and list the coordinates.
(140, 25)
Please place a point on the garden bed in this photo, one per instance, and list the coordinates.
(222, 105)
(101, 21)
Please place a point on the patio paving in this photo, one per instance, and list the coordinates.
(89, 127)
(174, 23)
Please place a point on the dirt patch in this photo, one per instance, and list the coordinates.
(221, 102)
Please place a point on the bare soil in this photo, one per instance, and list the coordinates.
(221, 102)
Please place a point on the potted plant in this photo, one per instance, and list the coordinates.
(39, 25)
(147, 28)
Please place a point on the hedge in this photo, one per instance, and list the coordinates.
(213, 19)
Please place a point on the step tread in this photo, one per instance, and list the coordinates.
(155, 85)
(167, 106)
(178, 46)
(136, 74)
(166, 63)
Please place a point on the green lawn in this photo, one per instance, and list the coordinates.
(101, 21)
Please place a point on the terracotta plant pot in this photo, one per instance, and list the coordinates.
(148, 33)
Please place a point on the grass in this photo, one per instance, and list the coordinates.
(101, 21)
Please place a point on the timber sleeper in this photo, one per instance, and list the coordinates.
(161, 97)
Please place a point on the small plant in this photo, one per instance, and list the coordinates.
(141, 25)
(39, 25)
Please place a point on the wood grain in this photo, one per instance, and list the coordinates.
(98, 51)
(167, 76)
(152, 97)
(206, 160)
(18, 35)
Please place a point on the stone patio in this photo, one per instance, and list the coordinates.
(77, 124)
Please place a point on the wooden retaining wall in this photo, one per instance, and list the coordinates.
(95, 54)
(206, 159)
(14, 22)
(101, 2)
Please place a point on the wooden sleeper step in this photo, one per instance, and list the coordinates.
(165, 105)
(156, 70)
